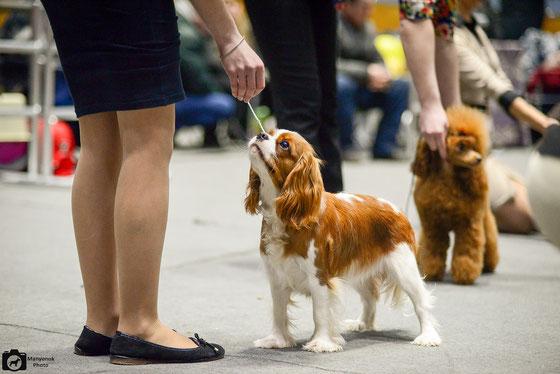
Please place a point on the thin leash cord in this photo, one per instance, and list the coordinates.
(407, 204)
(255, 115)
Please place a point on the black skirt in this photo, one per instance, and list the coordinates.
(117, 54)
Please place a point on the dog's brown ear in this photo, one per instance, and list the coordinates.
(299, 203)
(253, 196)
(426, 160)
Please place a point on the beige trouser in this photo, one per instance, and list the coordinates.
(500, 182)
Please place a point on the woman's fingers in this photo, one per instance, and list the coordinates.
(260, 78)
(245, 71)
(242, 84)
(251, 84)
(441, 146)
(232, 82)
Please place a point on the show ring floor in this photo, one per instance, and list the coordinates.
(213, 283)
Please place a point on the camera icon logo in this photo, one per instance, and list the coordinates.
(14, 360)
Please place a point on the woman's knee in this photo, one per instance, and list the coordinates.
(100, 141)
(514, 217)
(148, 132)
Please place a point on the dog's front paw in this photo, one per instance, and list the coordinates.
(322, 345)
(338, 339)
(275, 341)
(356, 325)
(428, 339)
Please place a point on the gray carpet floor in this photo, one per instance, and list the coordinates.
(213, 283)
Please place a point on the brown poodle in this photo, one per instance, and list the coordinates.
(452, 195)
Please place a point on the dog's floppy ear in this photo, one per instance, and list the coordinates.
(253, 197)
(299, 202)
(426, 160)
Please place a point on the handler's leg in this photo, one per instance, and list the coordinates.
(141, 219)
(93, 199)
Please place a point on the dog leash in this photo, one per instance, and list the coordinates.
(409, 195)
(255, 115)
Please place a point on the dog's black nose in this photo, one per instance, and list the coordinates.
(478, 160)
(262, 136)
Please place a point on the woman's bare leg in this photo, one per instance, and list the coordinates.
(141, 218)
(93, 197)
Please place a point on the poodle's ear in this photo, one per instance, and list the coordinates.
(299, 202)
(253, 197)
(426, 160)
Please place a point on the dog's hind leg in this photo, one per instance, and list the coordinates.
(491, 255)
(369, 294)
(402, 269)
(468, 252)
(432, 252)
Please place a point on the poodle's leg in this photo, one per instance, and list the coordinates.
(468, 252)
(402, 269)
(491, 255)
(369, 293)
(432, 252)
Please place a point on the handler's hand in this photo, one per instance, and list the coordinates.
(433, 125)
(245, 71)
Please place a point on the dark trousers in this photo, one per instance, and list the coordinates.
(297, 39)
(393, 102)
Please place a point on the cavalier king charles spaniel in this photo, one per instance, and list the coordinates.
(312, 239)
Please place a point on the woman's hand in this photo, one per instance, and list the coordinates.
(433, 125)
(245, 70)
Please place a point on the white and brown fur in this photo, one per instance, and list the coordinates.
(311, 239)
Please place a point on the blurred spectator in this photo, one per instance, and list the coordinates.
(508, 19)
(537, 46)
(365, 83)
(483, 79)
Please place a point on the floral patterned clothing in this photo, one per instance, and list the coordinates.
(441, 12)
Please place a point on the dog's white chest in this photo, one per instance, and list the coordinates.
(292, 271)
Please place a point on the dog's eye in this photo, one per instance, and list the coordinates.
(461, 147)
(284, 144)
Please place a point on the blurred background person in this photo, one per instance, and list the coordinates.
(364, 82)
(482, 79)
(297, 39)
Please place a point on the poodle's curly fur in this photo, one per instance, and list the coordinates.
(452, 195)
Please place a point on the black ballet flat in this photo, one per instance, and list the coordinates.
(131, 350)
(91, 343)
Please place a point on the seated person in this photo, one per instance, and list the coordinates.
(482, 79)
(364, 82)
